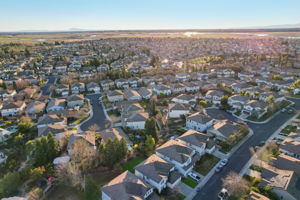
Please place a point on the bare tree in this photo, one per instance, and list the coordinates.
(235, 184)
(94, 128)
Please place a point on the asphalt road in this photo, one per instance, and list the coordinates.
(46, 88)
(99, 117)
(237, 161)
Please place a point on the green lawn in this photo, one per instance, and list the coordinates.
(103, 178)
(284, 104)
(190, 182)
(288, 129)
(206, 163)
(132, 163)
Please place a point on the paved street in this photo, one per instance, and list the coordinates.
(46, 88)
(99, 117)
(236, 162)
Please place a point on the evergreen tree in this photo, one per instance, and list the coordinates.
(149, 145)
(151, 128)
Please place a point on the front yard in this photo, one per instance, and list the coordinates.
(232, 140)
(288, 129)
(130, 165)
(190, 182)
(206, 163)
(266, 116)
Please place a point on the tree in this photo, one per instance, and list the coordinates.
(224, 102)
(149, 145)
(236, 185)
(203, 103)
(83, 156)
(113, 151)
(151, 129)
(25, 125)
(27, 53)
(9, 184)
(45, 149)
(153, 110)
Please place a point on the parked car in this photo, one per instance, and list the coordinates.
(290, 111)
(194, 176)
(218, 168)
(223, 194)
(283, 110)
(223, 162)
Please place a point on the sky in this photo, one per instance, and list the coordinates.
(20, 15)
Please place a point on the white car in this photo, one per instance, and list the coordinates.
(194, 176)
(223, 194)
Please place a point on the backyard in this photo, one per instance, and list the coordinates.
(130, 165)
(206, 163)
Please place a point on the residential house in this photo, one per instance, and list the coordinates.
(107, 84)
(178, 88)
(77, 88)
(192, 87)
(223, 129)
(132, 95)
(93, 87)
(115, 95)
(238, 101)
(131, 108)
(75, 100)
(254, 107)
(291, 147)
(277, 97)
(12, 108)
(58, 130)
(56, 104)
(162, 90)
(199, 122)
(184, 98)
(282, 182)
(136, 121)
(7, 94)
(134, 82)
(201, 142)
(52, 119)
(122, 83)
(177, 110)
(179, 154)
(145, 93)
(35, 107)
(62, 89)
(214, 96)
(158, 173)
(126, 186)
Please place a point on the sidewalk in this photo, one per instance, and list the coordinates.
(91, 114)
(221, 156)
(262, 122)
(275, 134)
